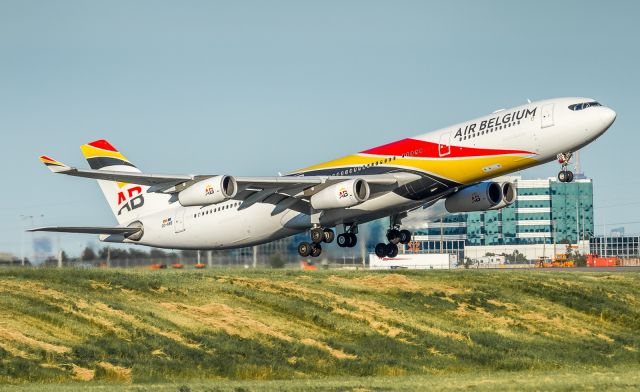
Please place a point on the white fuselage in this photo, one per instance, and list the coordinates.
(550, 128)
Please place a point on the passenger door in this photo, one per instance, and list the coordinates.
(178, 225)
(547, 116)
(444, 145)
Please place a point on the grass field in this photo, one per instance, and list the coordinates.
(237, 329)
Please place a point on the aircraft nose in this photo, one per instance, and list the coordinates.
(608, 116)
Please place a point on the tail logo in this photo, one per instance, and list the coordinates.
(132, 200)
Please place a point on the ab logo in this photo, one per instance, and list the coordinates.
(133, 202)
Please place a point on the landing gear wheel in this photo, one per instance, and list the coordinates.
(569, 176)
(405, 236)
(565, 176)
(329, 236)
(304, 249)
(393, 236)
(353, 240)
(391, 250)
(562, 176)
(316, 249)
(343, 240)
(317, 235)
(381, 250)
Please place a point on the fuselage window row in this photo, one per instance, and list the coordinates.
(492, 129)
(217, 209)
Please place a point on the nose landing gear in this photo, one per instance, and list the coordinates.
(565, 175)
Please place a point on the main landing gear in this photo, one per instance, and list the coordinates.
(395, 236)
(348, 239)
(565, 175)
(318, 235)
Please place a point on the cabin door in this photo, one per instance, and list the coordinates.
(444, 145)
(179, 220)
(547, 116)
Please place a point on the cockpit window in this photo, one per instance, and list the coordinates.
(584, 105)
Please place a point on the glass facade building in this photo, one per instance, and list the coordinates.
(545, 212)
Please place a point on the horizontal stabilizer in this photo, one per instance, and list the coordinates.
(53, 165)
(88, 230)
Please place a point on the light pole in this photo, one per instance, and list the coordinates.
(23, 218)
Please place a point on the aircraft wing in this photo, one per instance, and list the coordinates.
(168, 182)
(118, 176)
(88, 229)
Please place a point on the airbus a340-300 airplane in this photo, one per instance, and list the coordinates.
(451, 164)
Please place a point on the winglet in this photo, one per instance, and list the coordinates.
(54, 165)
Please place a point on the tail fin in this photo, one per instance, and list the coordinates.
(127, 201)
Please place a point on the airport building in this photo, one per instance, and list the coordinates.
(615, 246)
(546, 215)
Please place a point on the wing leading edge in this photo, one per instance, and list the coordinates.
(167, 183)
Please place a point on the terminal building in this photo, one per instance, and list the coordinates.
(546, 215)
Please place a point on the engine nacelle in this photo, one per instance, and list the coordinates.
(478, 197)
(212, 190)
(509, 195)
(341, 195)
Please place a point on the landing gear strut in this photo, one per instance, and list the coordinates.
(565, 175)
(317, 235)
(395, 236)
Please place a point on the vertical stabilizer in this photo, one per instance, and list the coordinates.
(127, 201)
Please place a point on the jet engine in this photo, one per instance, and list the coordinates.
(509, 195)
(479, 197)
(341, 195)
(212, 190)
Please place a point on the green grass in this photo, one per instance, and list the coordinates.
(625, 379)
(318, 328)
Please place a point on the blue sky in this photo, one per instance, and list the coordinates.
(254, 88)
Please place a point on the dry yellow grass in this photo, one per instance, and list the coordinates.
(116, 373)
(10, 336)
(339, 354)
(82, 374)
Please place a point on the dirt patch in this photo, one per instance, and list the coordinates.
(325, 347)
(116, 373)
(82, 374)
